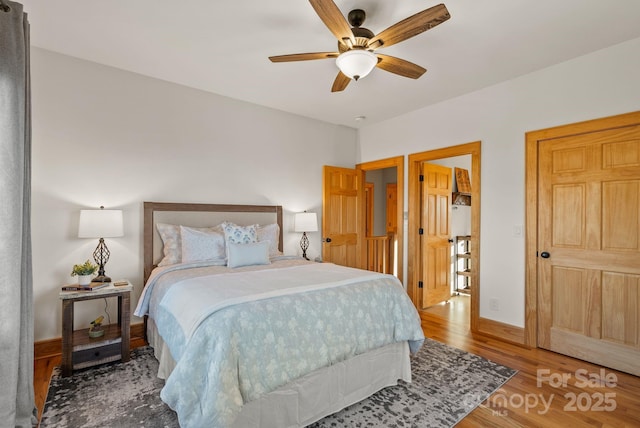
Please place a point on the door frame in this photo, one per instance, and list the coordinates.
(398, 163)
(413, 261)
(532, 142)
(368, 207)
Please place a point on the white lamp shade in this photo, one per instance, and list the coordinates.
(356, 63)
(305, 222)
(100, 224)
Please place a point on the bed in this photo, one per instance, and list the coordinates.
(246, 336)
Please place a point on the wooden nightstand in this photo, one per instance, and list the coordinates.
(78, 349)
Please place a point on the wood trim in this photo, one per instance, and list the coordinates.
(587, 126)
(47, 348)
(53, 347)
(531, 241)
(502, 331)
(369, 190)
(398, 163)
(413, 263)
(475, 238)
(151, 207)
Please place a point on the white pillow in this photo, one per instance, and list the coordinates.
(171, 242)
(199, 244)
(270, 232)
(256, 253)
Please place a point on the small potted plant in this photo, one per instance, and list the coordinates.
(84, 272)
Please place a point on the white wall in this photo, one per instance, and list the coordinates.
(600, 84)
(102, 136)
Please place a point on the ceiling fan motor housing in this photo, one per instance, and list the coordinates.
(362, 35)
(356, 17)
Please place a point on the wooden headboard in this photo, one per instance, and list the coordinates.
(199, 215)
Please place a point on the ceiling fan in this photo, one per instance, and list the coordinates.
(356, 45)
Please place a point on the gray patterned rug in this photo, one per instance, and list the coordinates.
(447, 384)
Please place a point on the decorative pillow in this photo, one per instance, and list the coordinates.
(199, 244)
(256, 253)
(234, 234)
(172, 243)
(270, 232)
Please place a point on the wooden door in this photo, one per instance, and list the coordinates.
(343, 216)
(392, 208)
(436, 233)
(589, 246)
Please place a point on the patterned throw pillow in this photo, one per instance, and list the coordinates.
(199, 245)
(235, 234)
(271, 233)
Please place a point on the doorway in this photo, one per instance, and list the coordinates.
(416, 253)
(384, 207)
(381, 224)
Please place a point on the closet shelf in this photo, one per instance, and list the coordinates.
(463, 264)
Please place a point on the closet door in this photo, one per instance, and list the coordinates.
(589, 246)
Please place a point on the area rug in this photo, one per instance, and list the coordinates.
(447, 384)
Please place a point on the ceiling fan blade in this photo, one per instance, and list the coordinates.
(340, 83)
(400, 66)
(411, 26)
(304, 56)
(333, 19)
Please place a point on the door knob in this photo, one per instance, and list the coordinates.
(545, 255)
(450, 241)
(327, 240)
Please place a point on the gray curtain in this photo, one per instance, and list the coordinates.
(17, 404)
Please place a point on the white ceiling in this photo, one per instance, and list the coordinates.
(223, 46)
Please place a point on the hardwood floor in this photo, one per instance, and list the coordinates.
(535, 396)
(549, 390)
(42, 369)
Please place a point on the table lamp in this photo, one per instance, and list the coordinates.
(101, 224)
(305, 222)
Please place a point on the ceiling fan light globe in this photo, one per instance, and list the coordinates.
(356, 63)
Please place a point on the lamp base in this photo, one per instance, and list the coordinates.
(101, 256)
(304, 244)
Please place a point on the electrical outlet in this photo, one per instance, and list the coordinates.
(494, 304)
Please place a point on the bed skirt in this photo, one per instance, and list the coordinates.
(317, 394)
